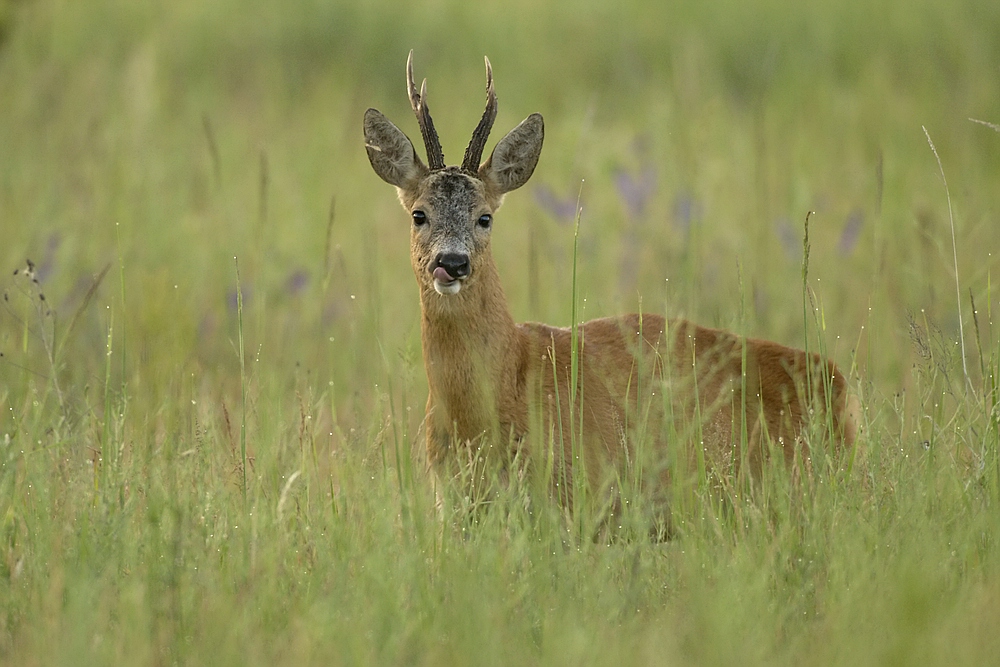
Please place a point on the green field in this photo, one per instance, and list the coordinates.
(189, 477)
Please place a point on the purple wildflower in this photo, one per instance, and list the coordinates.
(852, 232)
(687, 210)
(635, 191)
(46, 266)
(789, 238)
(297, 281)
(562, 208)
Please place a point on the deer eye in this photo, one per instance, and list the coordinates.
(485, 220)
(419, 217)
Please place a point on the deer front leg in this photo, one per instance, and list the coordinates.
(438, 442)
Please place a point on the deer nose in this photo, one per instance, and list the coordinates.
(456, 264)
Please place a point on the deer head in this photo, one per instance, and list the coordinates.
(451, 207)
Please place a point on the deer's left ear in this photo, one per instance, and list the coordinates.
(514, 158)
(391, 152)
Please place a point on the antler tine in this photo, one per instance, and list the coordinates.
(435, 156)
(474, 153)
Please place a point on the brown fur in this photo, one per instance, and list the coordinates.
(487, 375)
(497, 388)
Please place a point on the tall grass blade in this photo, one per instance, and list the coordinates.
(954, 251)
(243, 382)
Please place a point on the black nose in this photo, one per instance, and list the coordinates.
(456, 264)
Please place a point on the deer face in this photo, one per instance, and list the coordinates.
(450, 230)
(451, 208)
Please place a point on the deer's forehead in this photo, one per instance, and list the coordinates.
(451, 191)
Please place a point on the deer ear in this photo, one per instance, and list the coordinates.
(514, 158)
(390, 151)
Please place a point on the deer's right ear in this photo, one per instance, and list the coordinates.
(391, 152)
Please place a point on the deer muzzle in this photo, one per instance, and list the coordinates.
(448, 270)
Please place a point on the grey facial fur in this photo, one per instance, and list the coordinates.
(453, 202)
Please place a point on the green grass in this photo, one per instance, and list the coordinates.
(143, 147)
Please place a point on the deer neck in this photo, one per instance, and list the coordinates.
(471, 353)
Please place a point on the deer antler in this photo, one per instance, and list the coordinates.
(435, 156)
(473, 154)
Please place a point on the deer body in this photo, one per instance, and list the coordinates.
(496, 387)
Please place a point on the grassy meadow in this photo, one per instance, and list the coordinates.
(211, 383)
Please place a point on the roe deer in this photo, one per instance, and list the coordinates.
(496, 387)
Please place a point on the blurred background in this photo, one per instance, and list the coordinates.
(145, 146)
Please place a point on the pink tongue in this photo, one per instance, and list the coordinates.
(442, 276)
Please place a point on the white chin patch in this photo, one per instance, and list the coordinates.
(447, 289)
